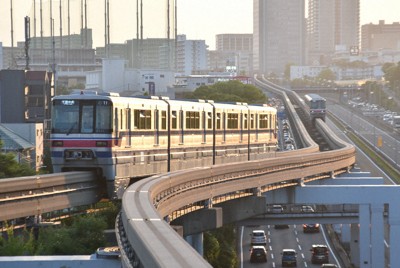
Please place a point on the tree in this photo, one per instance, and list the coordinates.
(327, 74)
(10, 168)
(231, 91)
(16, 245)
(84, 236)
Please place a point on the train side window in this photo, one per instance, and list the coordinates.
(209, 120)
(252, 121)
(174, 120)
(218, 120)
(142, 119)
(164, 120)
(263, 121)
(192, 120)
(233, 121)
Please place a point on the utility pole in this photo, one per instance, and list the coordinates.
(27, 41)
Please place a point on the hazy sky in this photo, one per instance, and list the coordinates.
(198, 19)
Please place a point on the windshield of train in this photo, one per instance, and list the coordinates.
(319, 104)
(81, 116)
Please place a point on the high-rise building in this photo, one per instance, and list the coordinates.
(191, 56)
(380, 36)
(279, 35)
(331, 25)
(233, 52)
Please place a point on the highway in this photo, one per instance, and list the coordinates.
(370, 132)
(278, 239)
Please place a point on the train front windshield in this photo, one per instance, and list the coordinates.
(319, 104)
(81, 116)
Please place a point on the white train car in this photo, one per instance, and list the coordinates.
(124, 138)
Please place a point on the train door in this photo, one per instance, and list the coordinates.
(87, 120)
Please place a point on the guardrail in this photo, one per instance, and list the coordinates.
(34, 195)
(149, 204)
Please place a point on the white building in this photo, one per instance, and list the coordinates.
(191, 56)
(115, 77)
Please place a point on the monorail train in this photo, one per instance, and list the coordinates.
(316, 106)
(127, 138)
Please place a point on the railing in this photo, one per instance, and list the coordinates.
(34, 195)
(144, 235)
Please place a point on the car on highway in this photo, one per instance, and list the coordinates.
(258, 254)
(258, 237)
(311, 228)
(319, 254)
(328, 265)
(289, 257)
(277, 209)
(281, 226)
(307, 209)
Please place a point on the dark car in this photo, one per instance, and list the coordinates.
(311, 228)
(281, 226)
(289, 257)
(319, 254)
(258, 254)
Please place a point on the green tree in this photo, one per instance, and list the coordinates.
(231, 91)
(220, 247)
(211, 249)
(16, 245)
(327, 74)
(9, 167)
(84, 236)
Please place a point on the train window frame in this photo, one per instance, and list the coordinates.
(174, 120)
(164, 120)
(263, 121)
(192, 119)
(218, 121)
(232, 121)
(142, 119)
(209, 120)
(245, 121)
(252, 121)
(103, 117)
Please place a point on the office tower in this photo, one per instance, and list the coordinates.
(279, 35)
(331, 26)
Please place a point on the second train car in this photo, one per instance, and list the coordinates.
(124, 139)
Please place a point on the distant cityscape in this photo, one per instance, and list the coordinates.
(42, 66)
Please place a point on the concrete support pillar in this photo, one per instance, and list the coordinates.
(365, 236)
(377, 236)
(394, 222)
(346, 234)
(354, 244)
(196, 241)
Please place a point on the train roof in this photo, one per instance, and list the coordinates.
(198, 103)
(314, 97)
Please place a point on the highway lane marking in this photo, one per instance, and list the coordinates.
(241, 246)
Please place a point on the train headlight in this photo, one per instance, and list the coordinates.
(78, 154)
(101, 143)
(57, 143)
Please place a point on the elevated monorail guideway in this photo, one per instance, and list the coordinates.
(148, 205)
